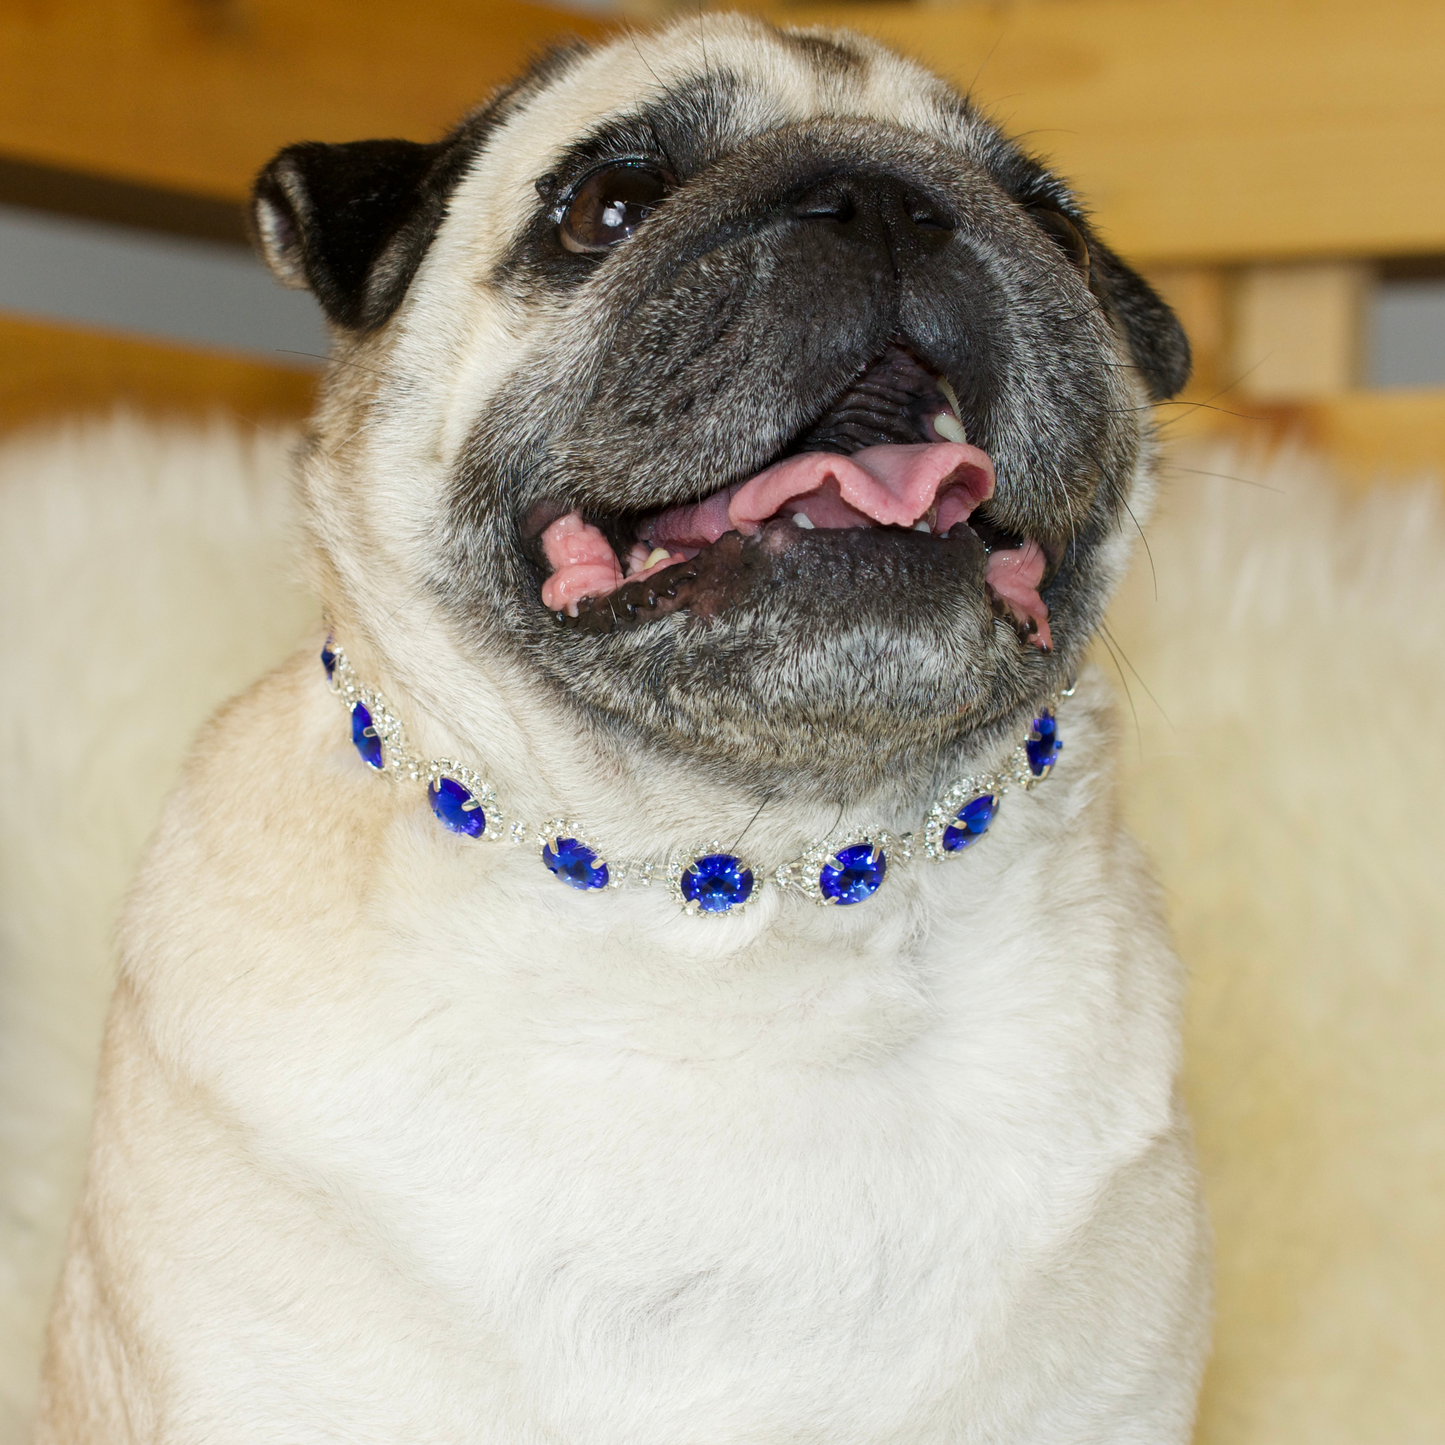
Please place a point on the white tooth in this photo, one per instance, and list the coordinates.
(658, 554)
(949, 427)
(799, 520)
(950, 395)
(922, 525)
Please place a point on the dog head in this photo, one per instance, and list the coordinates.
(744, 391)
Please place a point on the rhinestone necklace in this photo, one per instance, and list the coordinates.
(710, 880)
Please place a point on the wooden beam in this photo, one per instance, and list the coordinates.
(195, 95)
(48, 371)
(1210, 130)
(1374, 435)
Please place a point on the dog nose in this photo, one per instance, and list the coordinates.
(864, 209)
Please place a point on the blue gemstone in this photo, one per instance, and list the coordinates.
(971, 822)
(1044, 746)
(365, 736)
(328, 660)
(857, 874)
(717, 882)
(575, 863)
(449, 801)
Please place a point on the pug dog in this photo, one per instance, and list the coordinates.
(666, 966)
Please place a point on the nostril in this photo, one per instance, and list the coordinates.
(929, 217)
(826, 206)
(897, 208)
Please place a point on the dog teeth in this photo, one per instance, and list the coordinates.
(949, 427)
(799, 520)
(921, 525)
(658, 554)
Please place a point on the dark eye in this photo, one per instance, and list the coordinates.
(609, 205)
(1069, 237)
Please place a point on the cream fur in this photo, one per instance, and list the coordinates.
(1291, 645)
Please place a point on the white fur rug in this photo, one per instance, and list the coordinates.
(1284, 772)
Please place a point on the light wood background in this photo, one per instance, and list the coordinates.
(1256, 156)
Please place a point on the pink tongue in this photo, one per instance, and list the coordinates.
(582, 561)
(879, 486)
(1014, 575)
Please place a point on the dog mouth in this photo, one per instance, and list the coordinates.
(887, 466)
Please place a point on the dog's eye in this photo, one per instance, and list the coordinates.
(1070, 239)
(609, 205)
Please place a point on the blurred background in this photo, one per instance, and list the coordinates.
(1277, 167)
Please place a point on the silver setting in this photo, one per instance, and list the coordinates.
(484, 795)
(944, 812)
(803, 874)
(681, 863)
(557, 828)
(397, 759)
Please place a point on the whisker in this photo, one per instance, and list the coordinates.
(1129, 696)
(1104, 628)
(768, 798)
(1226, 477)
(1148, 551)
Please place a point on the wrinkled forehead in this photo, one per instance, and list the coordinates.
(694, 91)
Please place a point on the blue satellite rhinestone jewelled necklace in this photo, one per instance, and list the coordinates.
(710, 880)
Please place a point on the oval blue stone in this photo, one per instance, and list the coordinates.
(449, 801)
(328, 660)
(717, 882)
(575, 863)
(1045, 746)
(971, 822)
(365, 736)
(856, 874)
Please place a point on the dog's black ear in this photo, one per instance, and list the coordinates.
(351, 222)
(1156, 339)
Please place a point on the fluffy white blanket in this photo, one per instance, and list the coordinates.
(1283, 656)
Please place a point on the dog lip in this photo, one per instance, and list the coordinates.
(735, 567)
(879, 486)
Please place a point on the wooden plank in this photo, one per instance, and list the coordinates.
(1201, 129)
(1370, 437)
(195, 95)
(1211, 130)
(48, 371)
(1376, 435)
(121, 203)
(1297, 329)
